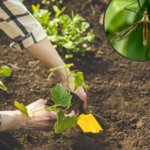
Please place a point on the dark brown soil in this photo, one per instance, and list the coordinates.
(118, 95)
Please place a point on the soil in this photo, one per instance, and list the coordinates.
(118, 95)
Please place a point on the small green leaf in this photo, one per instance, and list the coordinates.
(53, 38)
(65, 66)
(5, 71)
(78, 39)
(78, 19)
(68, 56)
(85, 86)
(78, 80)
(84, 26)
(64, 123)
(60, 96)
(85, 45)
(36, 8)
(90, 37)
(68, 45)
(60, 116)
(56, 9)
(28, 112)
(2, 86)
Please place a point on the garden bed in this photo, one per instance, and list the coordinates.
(118, 95)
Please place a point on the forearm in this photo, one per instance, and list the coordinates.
(11, 120)
(46, 53)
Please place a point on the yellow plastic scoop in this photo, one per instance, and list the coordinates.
(87, 122)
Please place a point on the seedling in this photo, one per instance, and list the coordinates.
(5, 71)
(61, 98)
(46, 2)
(65, 32)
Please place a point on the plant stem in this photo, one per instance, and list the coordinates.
(68, 107)
(49, 108)
(67, 81)
(38, 110)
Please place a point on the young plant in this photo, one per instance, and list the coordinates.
(65, 32)
(5, 71)
(61, 98)
(46, 2)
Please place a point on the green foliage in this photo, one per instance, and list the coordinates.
(5, 71)
(28, 112)
(65, 32)
(64, 123)
(62, 98)
(46, 2)
(58, 11)
(58, 1)
(2, 86)
(116, 18)
(78, 79)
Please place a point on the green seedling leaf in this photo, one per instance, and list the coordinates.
(78, 79)
(85, 45)
(90, 36)
(78, 39)
(36, 8)
(5, 71)
(64, 123)
(84, 26)
(60, 96)
(78, 19)
(85, 86)
(58, 11)
(68, 56)
(72, 15)
(53, 38)
(68, 45)
(2, 86)
(65, 66)
(28, 112)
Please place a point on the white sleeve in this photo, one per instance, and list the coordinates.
(19, 24)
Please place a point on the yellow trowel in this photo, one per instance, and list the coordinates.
(88, 123)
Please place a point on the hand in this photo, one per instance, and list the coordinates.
(42, 120)
(79, 92)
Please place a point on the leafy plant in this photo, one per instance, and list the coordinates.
(5, 71)
(65, 32)
(46, 2)
(61, 98)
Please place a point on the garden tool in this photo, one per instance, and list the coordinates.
(87, 122)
